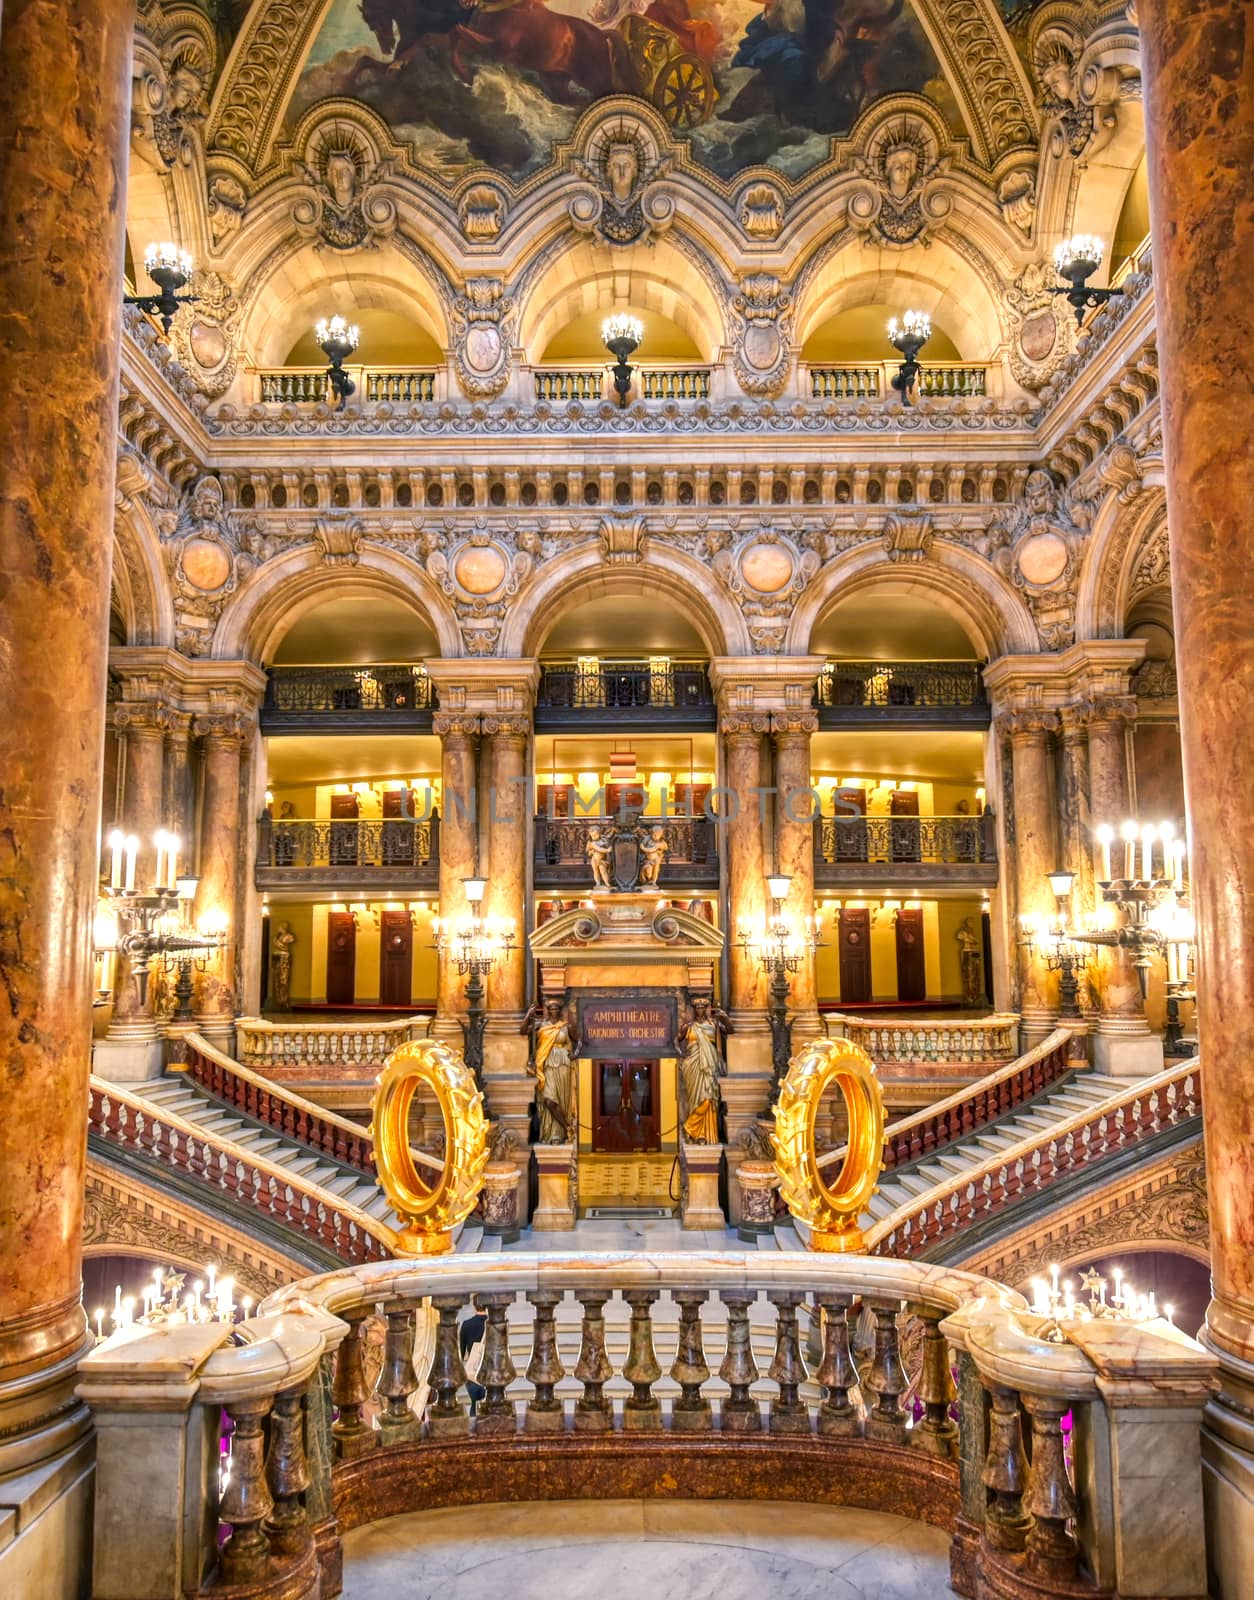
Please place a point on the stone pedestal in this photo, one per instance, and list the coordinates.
(1124, 1047)
(500, 1200)
(756, 1182)
(701, 1211)
(126, 1057)
(555, 1209)
(1199, 123)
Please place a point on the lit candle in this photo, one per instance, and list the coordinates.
(1104, 837)
(100, 1322)
(1148, 835)
(128, 1311)
(1177, 856)
(132, 850)
(1039, 1302)
(1151, 1308)
(116, 843)
(1130, 832)
(1053, 1274)
(246, 1306)
(1173, 966)
(1169, 1311)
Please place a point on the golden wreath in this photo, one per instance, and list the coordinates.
(430, 1211)
(831, 1212)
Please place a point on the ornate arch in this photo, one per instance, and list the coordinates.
(959, 583)
(140, 580)
(298, 581)
(584, 575)
(1128, 523)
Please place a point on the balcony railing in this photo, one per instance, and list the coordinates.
(872, 380)
(906, 691)
(322, 1051)
(593, 383)
(308, 385)
(667, 1388)
(933, 848)
(978, 1044)
(314, 699)
(582, 692)
(562, 858)
(329, 854)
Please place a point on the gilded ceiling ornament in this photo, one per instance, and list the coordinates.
(481, 213)
(345, 209)
(623, 201)
(173, 66)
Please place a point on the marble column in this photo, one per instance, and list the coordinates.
(1035, 855)
(130, 1049)
(1200, 134)
(63, 164)
(508, 818)
(795, 810)
(178, 781)
(218, 894)
(740, 842)
(459, 853)
(1123, 1043)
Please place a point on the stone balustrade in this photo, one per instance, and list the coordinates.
(620, 1393)
(308, 385)
(592, 383)
(982, 1043)
(144, 1129)
(1028, 1169)
(329, 1051)
(873, 380)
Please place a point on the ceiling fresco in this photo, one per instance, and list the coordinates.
(498, 83)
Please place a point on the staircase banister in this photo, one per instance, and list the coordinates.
(1137, 1089)
(960, 1096)
(353, 1287)
(104, 1089)
(264, 1025)
(280, 1091)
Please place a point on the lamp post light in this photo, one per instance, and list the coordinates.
(621, 334)
(170, 268)
(909, 336)
(475, 945)
(1061, 954)
(779, 950)
(337, 339)
(1077, 260)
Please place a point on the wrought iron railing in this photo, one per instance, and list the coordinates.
(937, 841)
(620, 685)
(872, 380)
(886, 685)
(563, 842)
(397, 842)
(383, 689)
(308, 385)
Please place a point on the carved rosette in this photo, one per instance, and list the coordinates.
(763, 330)
(483, 316)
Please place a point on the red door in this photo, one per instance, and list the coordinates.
(911, 963)
(625, 1112)
(341, 958)
(854, 940)
(396, 959)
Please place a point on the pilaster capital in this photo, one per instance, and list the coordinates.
(795, 720)
(143, 718)
(489, 687)
(456, 724)
(1110, 710)
(498, 727)
(220, 727)
(747, 725)
(1027, 724)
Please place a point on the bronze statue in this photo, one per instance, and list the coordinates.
(554, 1053)
(700, 1067)
(971, 947)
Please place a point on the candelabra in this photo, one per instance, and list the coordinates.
(1156, 917)
(475, 944)
(169, 268)
(1077, 260)
(909, 336)
(144, 926)
(621, 334)
(1058, 1301)
(166, 1305)
(779, 950)
(337, 339)
(1061, 954)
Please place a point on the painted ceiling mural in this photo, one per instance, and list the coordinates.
(498, 82)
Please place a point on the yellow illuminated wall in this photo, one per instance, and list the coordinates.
(942, 957)
(309, 953)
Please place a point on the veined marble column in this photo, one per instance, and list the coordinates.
(1123, 1043)
(1199, 120)
(509, 819)
(1036, 854)
(130, 1049)
(178, 781)
(63, 161)
(795, 810)
(218, 896)
(741, 843)
(459, 838)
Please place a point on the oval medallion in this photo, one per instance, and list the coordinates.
(480, 569)
(1043, 558)
(768, 568)
(206, 563)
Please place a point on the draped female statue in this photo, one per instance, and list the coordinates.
(700, 1068)
(554, 1053)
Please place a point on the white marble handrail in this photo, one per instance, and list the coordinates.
(948, 1039)
(262, 1043)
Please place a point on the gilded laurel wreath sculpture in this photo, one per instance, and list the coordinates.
(430, 1211)
(831, 1212)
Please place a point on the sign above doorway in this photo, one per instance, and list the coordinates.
(628, 1023)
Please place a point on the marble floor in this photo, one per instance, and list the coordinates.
(662, 1549)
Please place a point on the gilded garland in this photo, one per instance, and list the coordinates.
(831, 1213)
(430, 1211)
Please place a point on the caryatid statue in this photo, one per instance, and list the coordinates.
(554, 1053)
(700, 1067)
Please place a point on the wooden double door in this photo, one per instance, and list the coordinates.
(854, 950)
(396, 959)
(626, 1106)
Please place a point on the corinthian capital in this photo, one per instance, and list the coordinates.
(152, 717)
(1110, 708)
(494, 727)
(1031, 722)
(451, 724)
(744, 724)
(224, 727)
(798, 721)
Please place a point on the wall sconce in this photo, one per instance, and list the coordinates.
(621, 334)
(909, 336)
(337, 339)
(1077, 260)
(169, 268)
